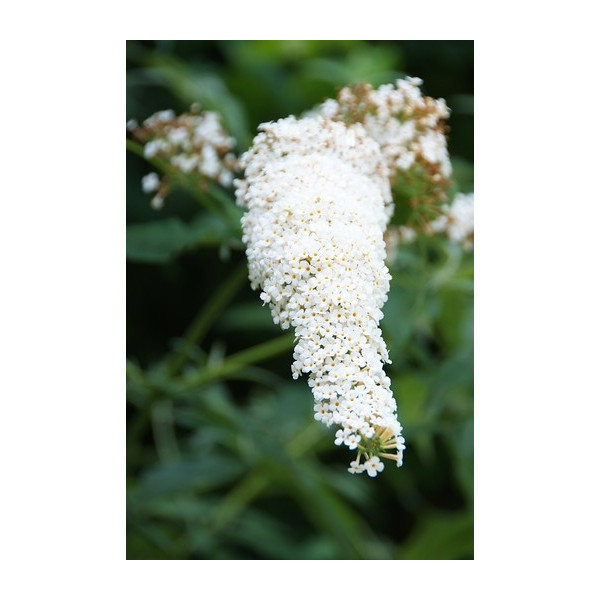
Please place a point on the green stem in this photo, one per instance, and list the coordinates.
(242, 495)
(134, 373)
(136, 148)
(242, 359)
(230, 366)
(163, 431)
(205, 317)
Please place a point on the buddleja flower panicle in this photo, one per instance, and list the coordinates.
(319, 200)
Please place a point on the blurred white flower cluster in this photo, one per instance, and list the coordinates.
(319, 200)
(458, 220)
(410, 130)
(405, 124)
(192, 143)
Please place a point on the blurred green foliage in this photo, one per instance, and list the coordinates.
(224, 459)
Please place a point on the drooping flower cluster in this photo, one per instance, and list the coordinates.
(192, 143)
(409, 129)
(318, 200)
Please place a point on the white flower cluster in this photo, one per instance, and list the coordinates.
(319, 200)
(406, 125)
(458, 220)
(193, 142)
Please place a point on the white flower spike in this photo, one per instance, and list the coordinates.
(319, 200)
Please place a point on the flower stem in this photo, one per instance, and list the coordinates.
(163, 431)
(241, 359)
(203, 320)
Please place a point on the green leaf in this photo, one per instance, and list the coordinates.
(158, 242)
(180, 508)
(452, 385)
(152, 541)
(263, 534)
(462, 439)
(323, 506)
(441, 537)
(193, 84)
(411, 394)
(193, 475)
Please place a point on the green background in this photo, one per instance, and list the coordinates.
(224, 459)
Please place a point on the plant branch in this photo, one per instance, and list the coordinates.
(242, 359)
(201, 323)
